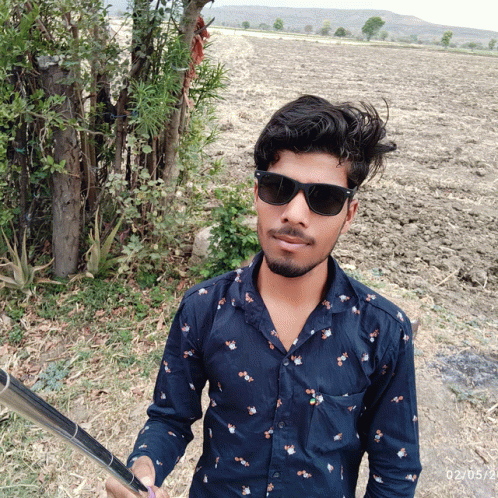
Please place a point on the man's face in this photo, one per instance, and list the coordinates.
(294, 239)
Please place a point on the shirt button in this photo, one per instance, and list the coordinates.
(281, 425)
(286, 362)
(276, 475)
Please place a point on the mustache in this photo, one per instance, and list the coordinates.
(292, 232)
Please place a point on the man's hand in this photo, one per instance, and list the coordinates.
(144, 470)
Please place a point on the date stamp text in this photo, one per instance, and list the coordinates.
(471, 474)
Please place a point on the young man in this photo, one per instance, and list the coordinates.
(307, 368)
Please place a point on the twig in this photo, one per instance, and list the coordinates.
(200, 30)
(492, 409)
(452, 274)
(478, 451)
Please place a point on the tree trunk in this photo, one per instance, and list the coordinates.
(20, 158)
(66, 186)
(172, 134)
(20, 154)
(192, 11)
(121, 128)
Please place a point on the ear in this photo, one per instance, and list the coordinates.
(255, 193)
(352, 209)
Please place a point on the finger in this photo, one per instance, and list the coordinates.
(115, 489)
(160, 493)
(155, 492)
(144, 470)
(146, 480)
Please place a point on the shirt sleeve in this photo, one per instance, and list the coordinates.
(177, 398)
(390, 424)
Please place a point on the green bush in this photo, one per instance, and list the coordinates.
(232, 242)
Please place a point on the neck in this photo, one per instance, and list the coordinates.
(309, 289)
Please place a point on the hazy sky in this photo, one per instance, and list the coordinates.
(481, 14)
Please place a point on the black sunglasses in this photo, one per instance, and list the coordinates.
(322, 198)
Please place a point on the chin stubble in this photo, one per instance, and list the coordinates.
(288, 270)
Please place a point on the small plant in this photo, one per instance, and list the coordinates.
(84, 355)
(16, 335)
(22, 272)
(141, 311)
(97, 257)
(14, 312)
(50, 379)
(474, 397)
(124, 336)
(232, 242)
(146, 279)
(157, 296)
(126, 361)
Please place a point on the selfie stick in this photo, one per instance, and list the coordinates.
(20, 399)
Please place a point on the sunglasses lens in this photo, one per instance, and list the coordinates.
(275, 189)
(326, 200)
(278, 190)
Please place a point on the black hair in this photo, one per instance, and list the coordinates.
(312, 124)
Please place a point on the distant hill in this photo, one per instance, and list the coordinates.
(398, 26)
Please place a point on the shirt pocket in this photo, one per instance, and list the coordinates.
(334, 422)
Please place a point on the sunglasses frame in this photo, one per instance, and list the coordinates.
(347, 193)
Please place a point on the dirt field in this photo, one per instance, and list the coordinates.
(427, 232)
(431, 224)
(426, 237)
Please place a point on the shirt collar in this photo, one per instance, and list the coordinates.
(341, 295)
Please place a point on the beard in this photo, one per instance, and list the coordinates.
(285, 266)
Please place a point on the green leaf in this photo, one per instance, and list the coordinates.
(97, 255)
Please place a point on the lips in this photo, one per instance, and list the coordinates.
(290, 239)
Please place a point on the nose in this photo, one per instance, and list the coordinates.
(297, 211)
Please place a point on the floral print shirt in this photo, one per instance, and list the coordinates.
(287, 424)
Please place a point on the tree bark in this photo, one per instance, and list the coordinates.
(20, 154)
(191, 12)
(20, 158)
(66, 186)
(121, 129)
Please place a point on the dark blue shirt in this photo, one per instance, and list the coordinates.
(287, 424)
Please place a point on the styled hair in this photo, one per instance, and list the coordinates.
(312, 124)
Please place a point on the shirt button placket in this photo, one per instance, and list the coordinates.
(280, 435)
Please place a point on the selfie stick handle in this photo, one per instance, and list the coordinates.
(26, 403)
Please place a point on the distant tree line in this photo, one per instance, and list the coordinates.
(372, 29)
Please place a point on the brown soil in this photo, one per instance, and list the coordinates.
(431, 224)
(427, 231)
